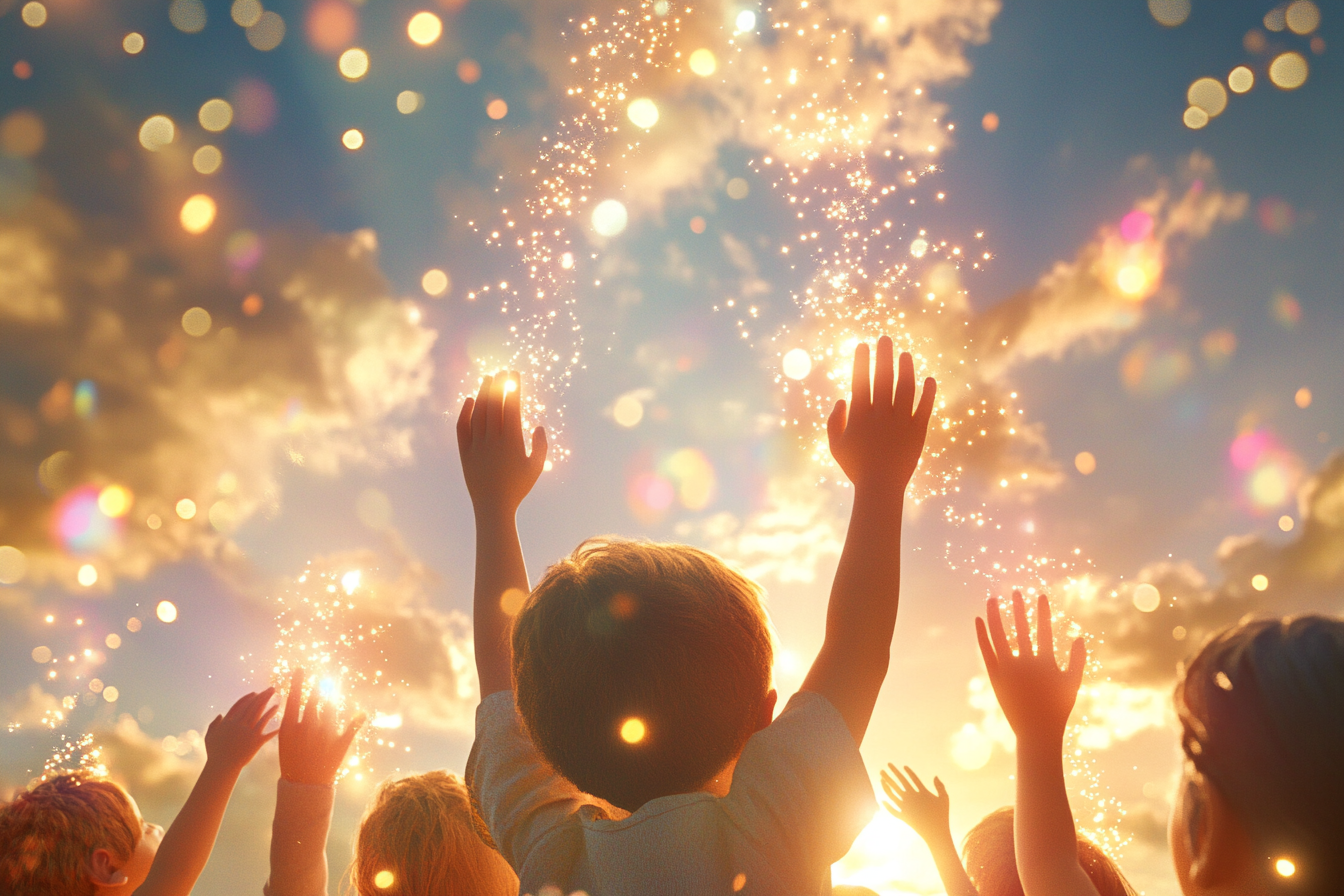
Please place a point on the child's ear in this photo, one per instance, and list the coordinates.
(104, 869)
(1220, 848)
(766, 714)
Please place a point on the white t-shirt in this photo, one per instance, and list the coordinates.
(799, 797)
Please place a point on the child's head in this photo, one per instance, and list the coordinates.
(1262, 717)
(421, 835)
(74, 835)
(641, 669)
(992, 865)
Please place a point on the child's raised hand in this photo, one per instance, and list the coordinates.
(913, 803)
(877, 438)
(235, 737)
(497, 466)
(312, 746)
(1035, 694)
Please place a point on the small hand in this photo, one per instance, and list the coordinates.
(235, 737)
(913, 803)
(313, 747)
(876, 439)
(1035, 694)
(495, 462)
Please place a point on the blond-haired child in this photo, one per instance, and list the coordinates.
(75, 835)
(625, 742)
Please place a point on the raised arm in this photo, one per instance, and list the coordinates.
(313, 744)
(1037, 697)
(877, 440)
(230, 743)
(927, 813)
(499, 473)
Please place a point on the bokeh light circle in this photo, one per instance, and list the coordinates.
(166, 611)
(215, 115)
(424, 28)
(1208, 94)
(245, 13)
(115, 500)
(87, 575)
(198, 213)
(435, 282)
(1241, 79)
(409, 101)
(1169, 12)
(383, 879)
(1302, 17)
(1289, 70)
(1085, 462)
(1260, 582)
(1147, 598)
(267, 33)
(331, 24)
(352, 139)
(186, 508)
(187, 16)
(1195, 118)
(353, 64)
(737, 188)
(41, 654)
(207, 159)
(633, 730)
(13, 565)
(34, 14)
(133, 43)
(610, 217)
(703, 63)
(628, 411)
(496, 109)
(157, 132)
(643, 113)
(797, 363)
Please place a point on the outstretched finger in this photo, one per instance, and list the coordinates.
(919, 785)
(861, 397)
(511, 420)
(350, 732)
(1045, 630)
(986, 647)
(884, 375)
(539, 447)
(293, 701)
(1022, 625)
(889, 787)
(464, 426)
(260, 704)
(925, 409)
(835, 424)
(239, 708)
(478, 409)
(494, 404)
(905, 386)
(996, 632)
(265, 720)
(892, 809)
(938, 785)
(1077, 662)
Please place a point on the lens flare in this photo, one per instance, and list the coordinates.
(633, 730)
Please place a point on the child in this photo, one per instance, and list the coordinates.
(991, 867)
(1036, 697)
(75, 835)
(638, 755)
(417, 837)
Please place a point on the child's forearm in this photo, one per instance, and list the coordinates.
(861, 617)
(187, 844)
(1045, 840)
(499, 567)
(953, 874)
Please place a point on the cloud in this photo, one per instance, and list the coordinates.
(365, 621)
(105, 384)
(32, 708)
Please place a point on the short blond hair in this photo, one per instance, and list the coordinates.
(49, 832)
(640, 668)
(424, 833)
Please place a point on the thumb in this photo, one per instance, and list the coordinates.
(835, 424)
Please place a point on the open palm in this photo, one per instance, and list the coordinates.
(1035, 694)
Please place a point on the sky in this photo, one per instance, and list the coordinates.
(251, 258)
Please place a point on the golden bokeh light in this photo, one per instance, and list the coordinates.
(1208, 94)
(737, 188)
(1147, 598)
(1302, 17)
(115, 501)
(990, 122)
(424, 28)
(436, 282)
(215, 115)
(22, 134)
(186, 508)
(267, 32)
(409, 101)
(352, 139)
(87, 575)
(166, 611)
(198, 213)
(383, 879)
(154, 521)
(1289, 70)
(353, 64)
(469, 71)
(110, 694)
(1286, 523)
(1169, 12)
(1085, 462)
(643, 113)
(703, 63)
(196, 321)
(133, 43)
(1195, 118)
(187, 16)
(1132, 280)
(628, 411)
(245, 13)
(496, 109)
(41, 654)
(1241, 79)
(252, 305)
(113, 641)
(34, 14)
(610, 217)
(633, 730)
(157, 132)
(13, 565)
(1259, 581)
(511, 602)
(1302, 398)
(797, 363)
(745, 21)
(207, 159)
(1285, 867)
